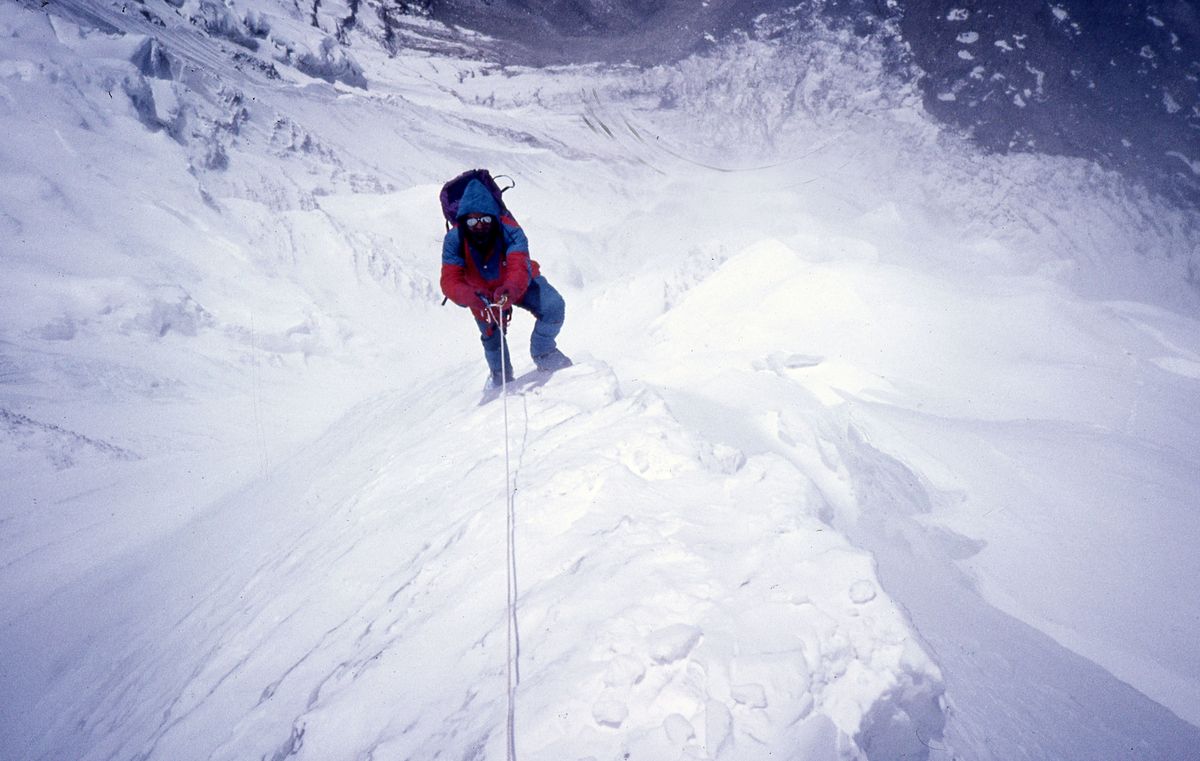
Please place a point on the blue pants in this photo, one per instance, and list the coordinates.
(544, 303)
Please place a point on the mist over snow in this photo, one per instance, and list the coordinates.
(877, 445)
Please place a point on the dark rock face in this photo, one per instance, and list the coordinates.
(1118, 83)
(1114, 82)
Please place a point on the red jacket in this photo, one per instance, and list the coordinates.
(466, 270)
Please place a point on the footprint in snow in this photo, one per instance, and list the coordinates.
(673, 643)
(862, 592)
(780, 362)
(610, 711)
(664, 646)
(624, 671)
(752, 695)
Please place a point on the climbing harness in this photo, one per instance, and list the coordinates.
(496, 314)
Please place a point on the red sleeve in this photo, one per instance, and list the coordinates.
(455, 286)
(517, 273)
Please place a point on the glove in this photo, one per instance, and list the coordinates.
(479, 307)
(503, 295)
(484, 310)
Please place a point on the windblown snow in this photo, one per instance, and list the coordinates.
(875, 447)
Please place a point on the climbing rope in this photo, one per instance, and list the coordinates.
(496, 312)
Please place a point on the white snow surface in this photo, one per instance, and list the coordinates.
(875, 447)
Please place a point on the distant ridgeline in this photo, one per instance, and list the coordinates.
(1114, 82)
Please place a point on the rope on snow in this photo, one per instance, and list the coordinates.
(514, 676)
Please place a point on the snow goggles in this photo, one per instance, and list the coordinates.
(473, 221)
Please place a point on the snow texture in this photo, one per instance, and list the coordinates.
(876, 447)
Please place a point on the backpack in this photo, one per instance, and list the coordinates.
(452, 192)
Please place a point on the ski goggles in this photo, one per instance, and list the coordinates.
(473, 221)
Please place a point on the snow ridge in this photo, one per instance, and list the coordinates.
(862, 391)
(659, 617)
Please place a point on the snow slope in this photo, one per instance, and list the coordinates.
(876, 447)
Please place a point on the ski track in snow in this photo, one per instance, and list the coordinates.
(891, 452)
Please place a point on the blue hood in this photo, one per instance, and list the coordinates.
(477, 199)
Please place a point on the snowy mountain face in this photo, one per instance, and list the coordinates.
(1114, 83)
(878, 445)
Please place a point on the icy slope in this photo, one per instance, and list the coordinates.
(143, 321)
(658, 610)
(840, 475)
(1004, 479)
